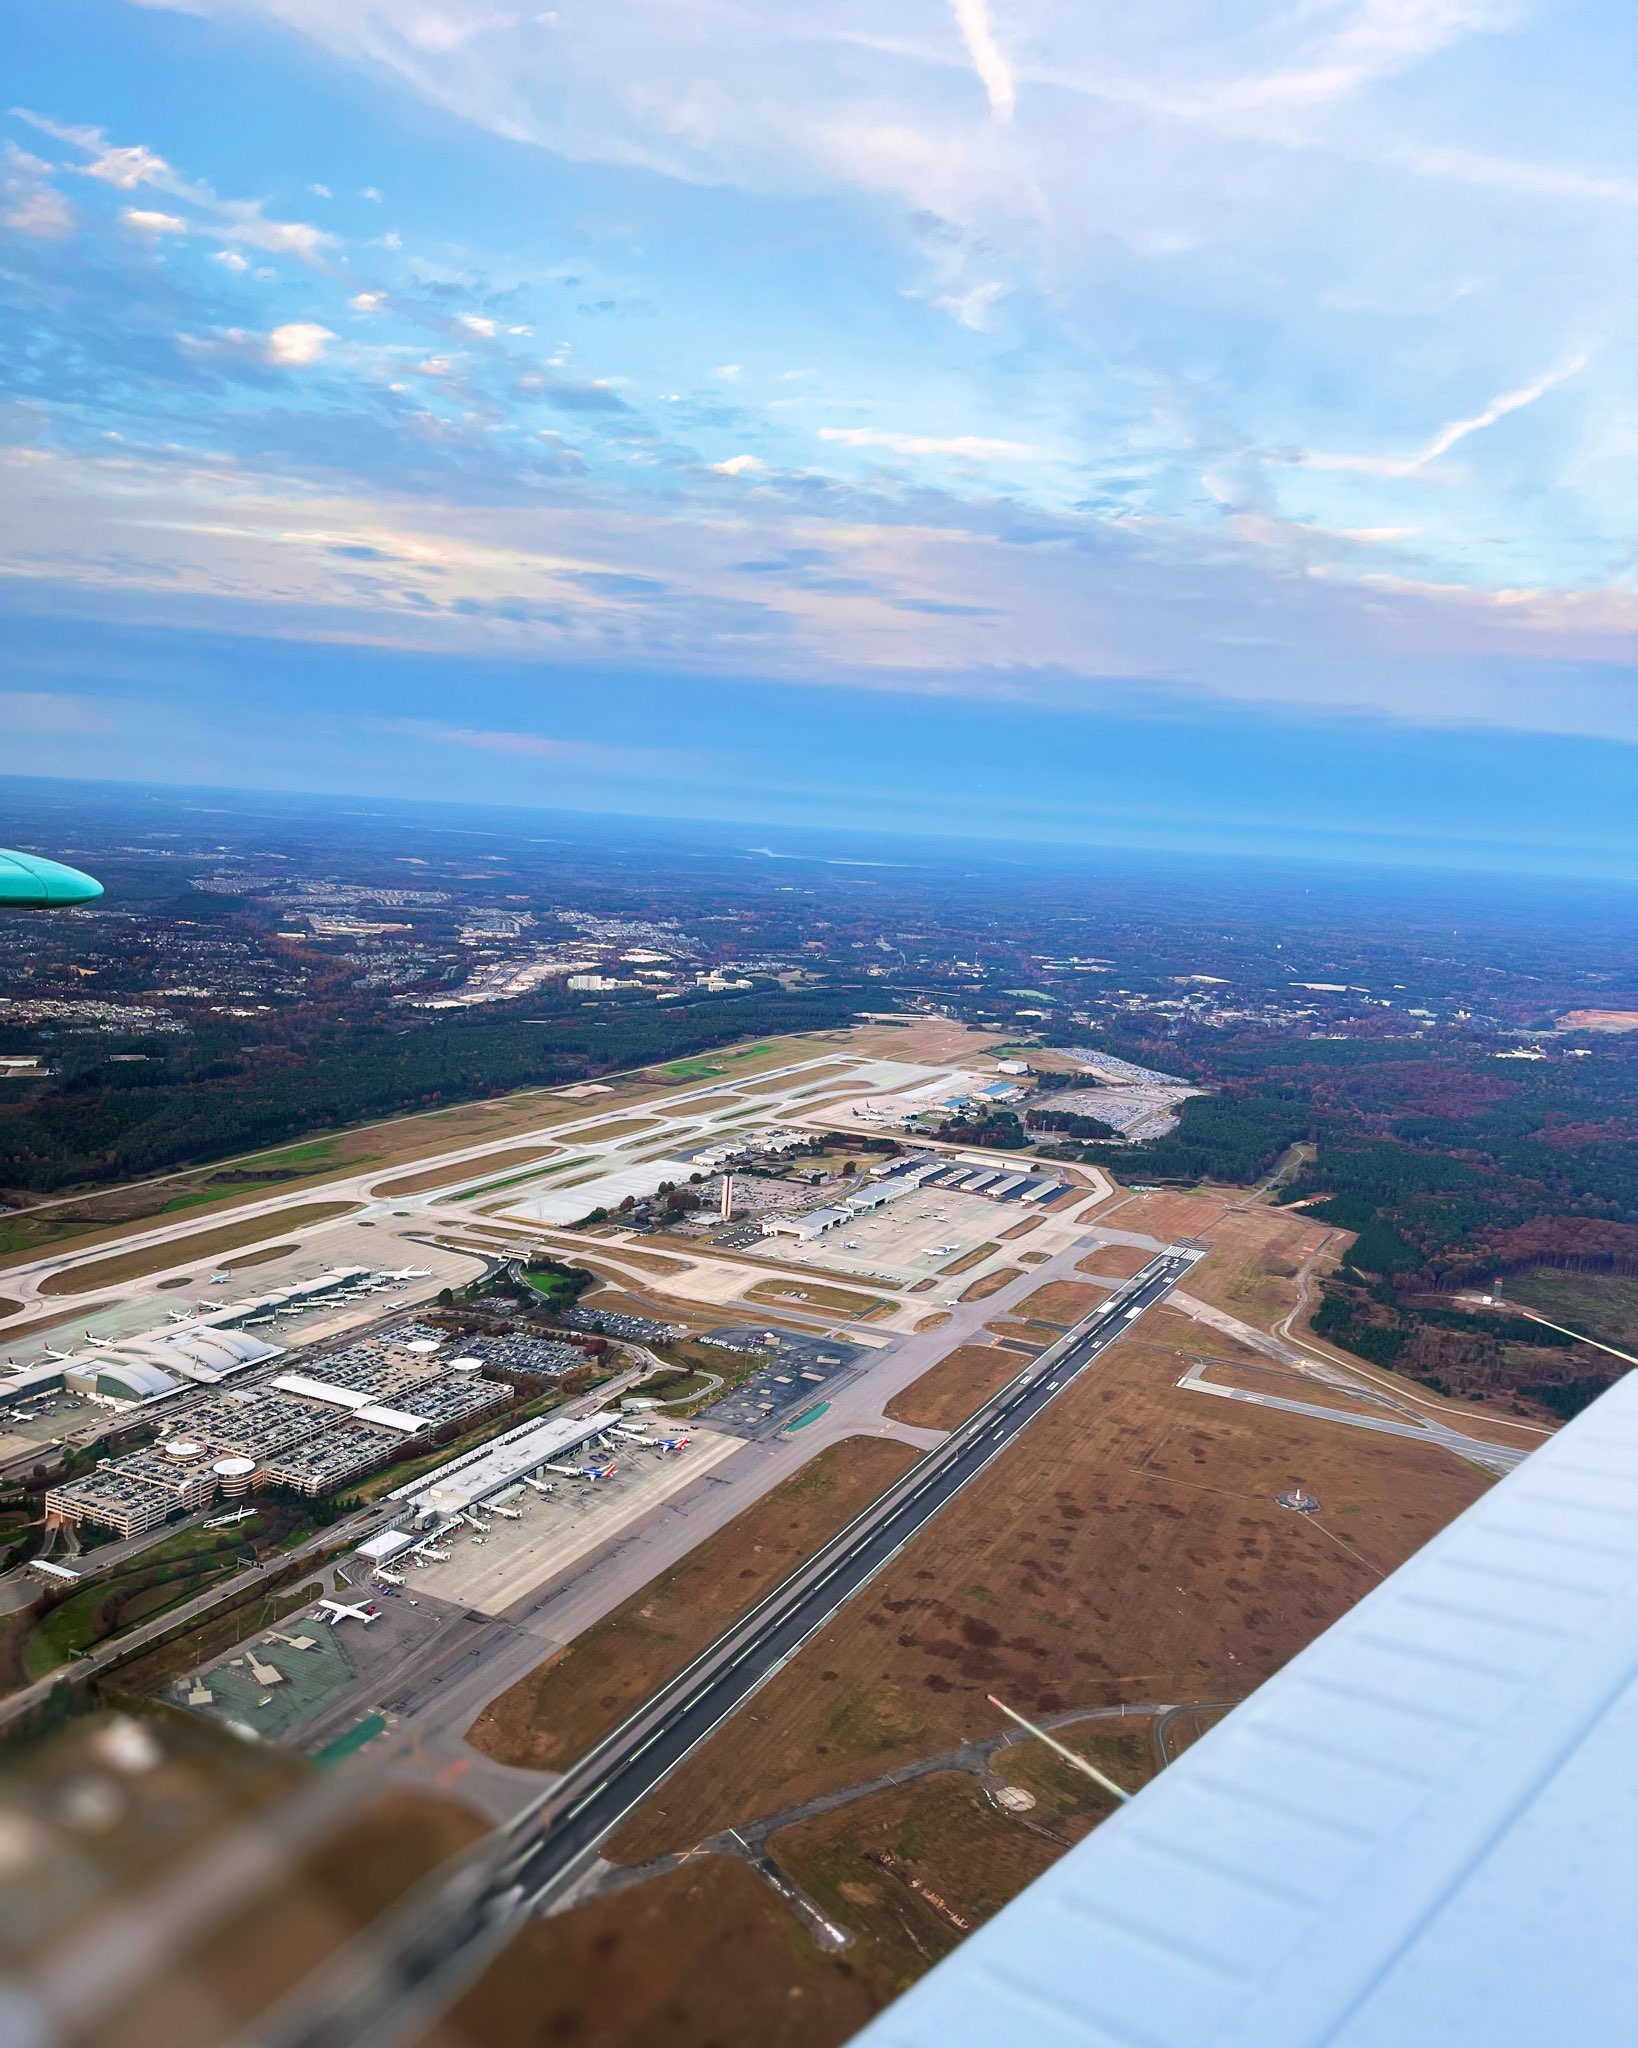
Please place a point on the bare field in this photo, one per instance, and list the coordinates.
(992, 1283)
(1115, 1261)
(935, 1321)
(204, 1244)
(703, 1957)
(557, 1712)
(1255, 1258)
(1173, 1213)
(1123, 1750)
(242, 1967)
(958, 1384)
(470, 1169)
(815, 1078)
(1132, 1549)
(1063, 1302)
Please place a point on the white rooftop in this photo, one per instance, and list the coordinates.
(453, 1488)
(1422, 1833)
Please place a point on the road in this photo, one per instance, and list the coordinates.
(426, 1950)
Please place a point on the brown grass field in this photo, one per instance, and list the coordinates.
(9, 1308)
(772, 1292)
(557, 1712)
(240, 1968)
(1115, 1261)
(470, 1169)
(1021, 1229)
(1255, 1259)
(204, 1244)
(940, 1834)
(992, 1283)
(970, 1258)
(264, 1257)
(704, 1957)
(1131, 1550)
(1063, 1302)
(935, 1321)
(954, 1387)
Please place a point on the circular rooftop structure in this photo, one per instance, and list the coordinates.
(182, 1448)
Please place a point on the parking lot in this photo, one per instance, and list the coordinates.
(553, 1532)
(908, 1239)
(800, 1372)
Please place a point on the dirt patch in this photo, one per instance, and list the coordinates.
(204, 1244)
(1064, 1302)
(1115, 1261)
(992, 1283)
(955, 1387)
(243, 1966)
(935, 1321)
(557, 1712)
(1021, 1229)
(978, 1253)
(9, 1308)
(1130, 1550)
(264, 1257)
(704, 1957)
(1033, 1258)
(467, 1169)
(817, 1295)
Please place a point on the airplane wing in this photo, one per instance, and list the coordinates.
(1421, 1833)
(29, 882)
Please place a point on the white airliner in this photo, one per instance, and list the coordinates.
(338, 1611)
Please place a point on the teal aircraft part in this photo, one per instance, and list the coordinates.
(27, 881)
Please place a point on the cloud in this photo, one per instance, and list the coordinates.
(29, 203)
(738, 465)
(39, 711)
(476, 323)
(149, 223)
(1457, 430)
(728, 372)
(297, 343)
(995, 74)
(969, 447)
(230, 259)
(367, 302)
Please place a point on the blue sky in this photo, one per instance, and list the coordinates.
(1171, 425)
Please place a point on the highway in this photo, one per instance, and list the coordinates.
(437, 1940)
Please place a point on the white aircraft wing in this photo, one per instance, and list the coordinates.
(1421, 1833)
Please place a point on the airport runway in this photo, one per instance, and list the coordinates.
(442, 1937)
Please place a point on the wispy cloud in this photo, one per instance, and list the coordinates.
(972, 18)
(1455, 431)
(969, 447)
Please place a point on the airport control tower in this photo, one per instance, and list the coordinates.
(29, 883)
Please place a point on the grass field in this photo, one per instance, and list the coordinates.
(1604, 1305)
(1063, 1302)
(959, 1383)
(1131, 1549)
(992, 1283)
(1115, 1261)
(968, 1259)
(139, 1588)
(205, 1244)
(446, 1176)
(264, 1257)
(560, 1710)
(705, 1957)
(815, 1293)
